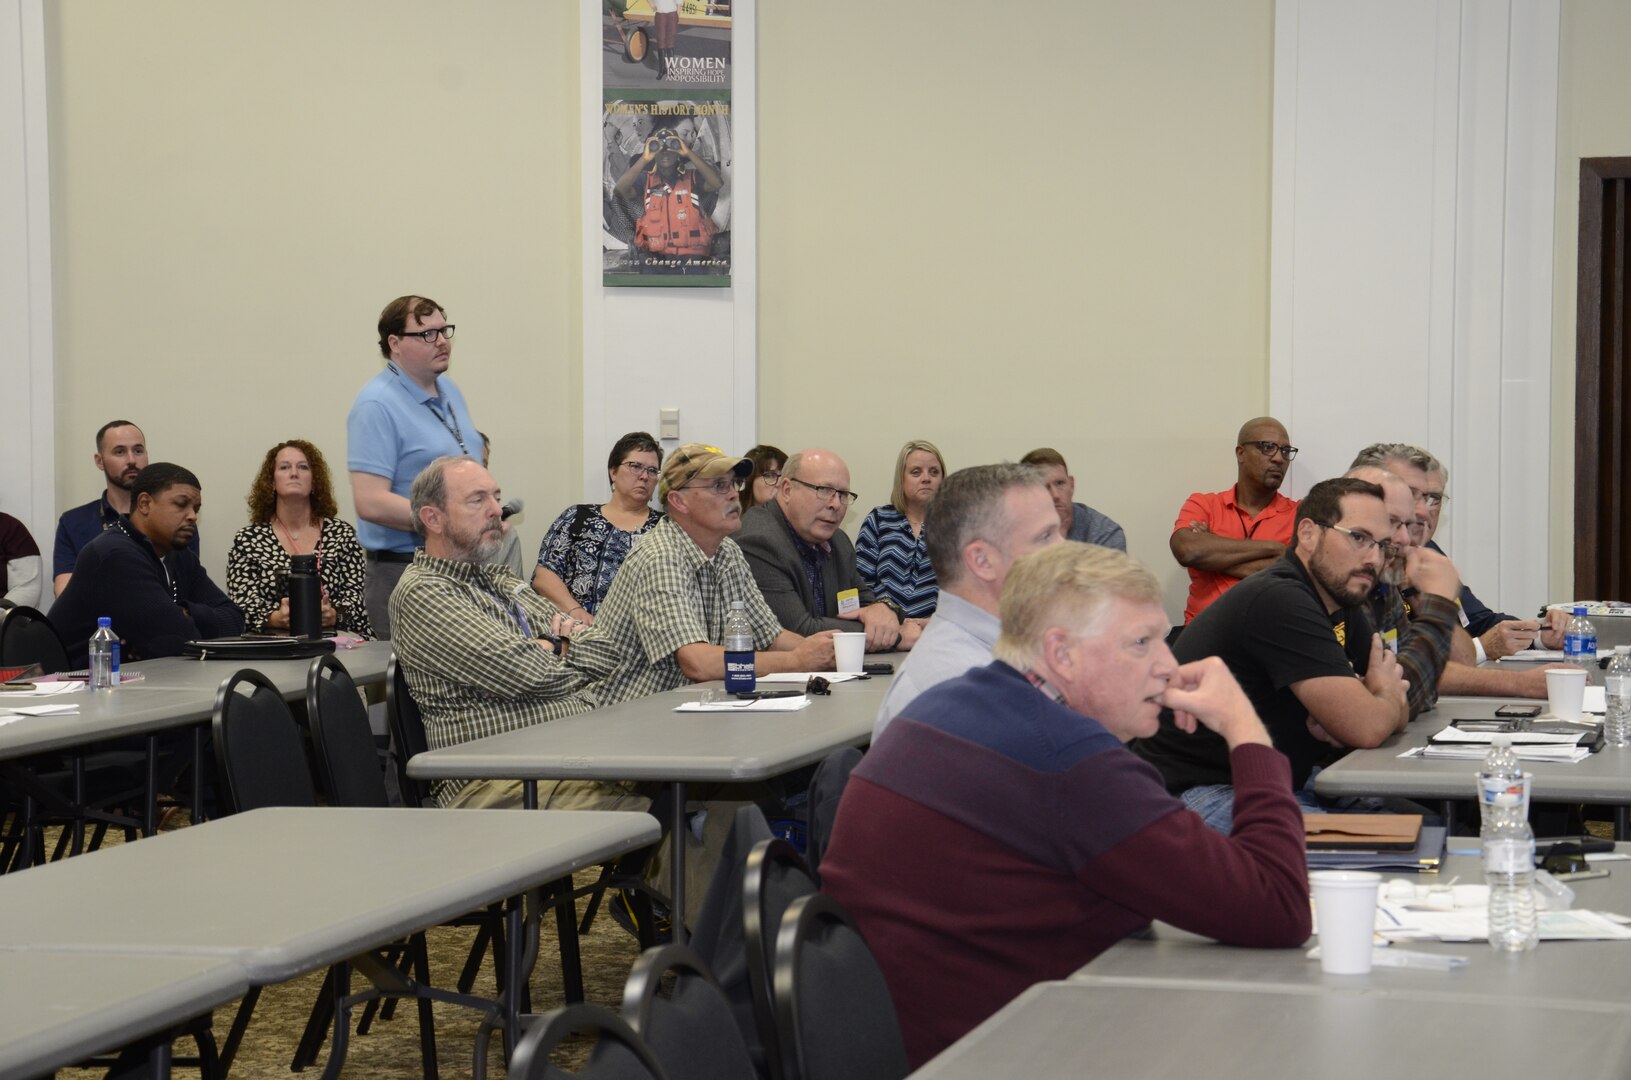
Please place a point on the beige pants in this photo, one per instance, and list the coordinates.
(701, 855)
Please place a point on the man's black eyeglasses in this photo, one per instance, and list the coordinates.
(1269, 449)
(429, 336)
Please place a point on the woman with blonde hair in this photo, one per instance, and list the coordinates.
(890, 552)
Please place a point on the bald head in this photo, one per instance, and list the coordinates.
(1395, 496)
(814, 516)
(1259, 472)
(1262, 427)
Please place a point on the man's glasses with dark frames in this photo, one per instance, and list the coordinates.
(429, 336)
(1364, 542)
(1269, 449)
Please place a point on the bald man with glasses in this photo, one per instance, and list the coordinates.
(1224, 536)
(805, 564)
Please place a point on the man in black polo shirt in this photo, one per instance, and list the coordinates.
(1298, 638)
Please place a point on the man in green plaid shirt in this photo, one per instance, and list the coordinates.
(663, 621)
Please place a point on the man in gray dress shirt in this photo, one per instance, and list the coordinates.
(978, 524)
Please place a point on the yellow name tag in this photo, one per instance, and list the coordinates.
(849, 601)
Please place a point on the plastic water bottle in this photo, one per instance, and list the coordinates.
(1501, 775)
(1509, 870)
(739, 674)
(104, 652)
(1617, 693)
(1580, 639)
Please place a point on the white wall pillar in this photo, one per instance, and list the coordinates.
(645, 349)
(1410, 297)
(27, 425)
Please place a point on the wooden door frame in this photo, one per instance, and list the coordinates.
(1601, 437)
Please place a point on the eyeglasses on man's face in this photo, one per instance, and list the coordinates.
(1269, 449)
(636, 469)
(1433, 499)
(429, 336)
(723, 485)
(1363, 542)
(827, 494)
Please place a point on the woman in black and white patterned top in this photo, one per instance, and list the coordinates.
(292, 512)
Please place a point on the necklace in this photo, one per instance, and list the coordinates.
(292, 537)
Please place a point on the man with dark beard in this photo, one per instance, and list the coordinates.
(1299, 639)
(121, 453)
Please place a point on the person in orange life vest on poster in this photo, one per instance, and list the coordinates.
(674, 225)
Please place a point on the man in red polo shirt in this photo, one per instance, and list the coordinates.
(1223, 536)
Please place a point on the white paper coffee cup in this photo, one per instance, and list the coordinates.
(1345, 905)
(1565, 692)
(849, 650)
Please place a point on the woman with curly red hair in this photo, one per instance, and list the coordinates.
(292, 512)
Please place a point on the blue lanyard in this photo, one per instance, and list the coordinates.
(430, 403)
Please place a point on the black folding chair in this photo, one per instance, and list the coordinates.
(27, 637)
(836, 1019)
(353, 775)
(262, 762)
(692, 1032)
(619, 1053)
(774, 877)
(826, 790)
(407, 728)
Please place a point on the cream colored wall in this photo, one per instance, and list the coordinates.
(1593, 121)
(238, 189)
(997, 232)
(991, 232)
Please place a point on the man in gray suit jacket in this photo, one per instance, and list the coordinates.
(805, 565)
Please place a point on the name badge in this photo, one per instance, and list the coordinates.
(849, 602)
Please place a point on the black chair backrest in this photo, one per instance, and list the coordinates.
(27, 637)
(773, 878)
(619, 1053)
(692, 1032)
(407, 733)
(348, 766)
(826, 789)
(257, 745)
(833, 1007)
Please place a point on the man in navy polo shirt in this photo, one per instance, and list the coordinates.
(404, 418)
(121, 453)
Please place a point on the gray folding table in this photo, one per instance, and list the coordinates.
(1603, 778)
(287, 890)
(1248, 1032)
(173, 693)
(57, 1008)
(1574, 972)
(646, 739)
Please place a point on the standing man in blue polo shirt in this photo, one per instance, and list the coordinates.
(121, 453)
(404, 418)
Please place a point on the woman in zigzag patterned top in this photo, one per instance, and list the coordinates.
(890, 552)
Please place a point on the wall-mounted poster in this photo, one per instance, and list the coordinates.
(677, 43)
(666, 189)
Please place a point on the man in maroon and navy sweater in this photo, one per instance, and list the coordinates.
(1000, 834)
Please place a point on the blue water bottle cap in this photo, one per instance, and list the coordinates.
(104, 621)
